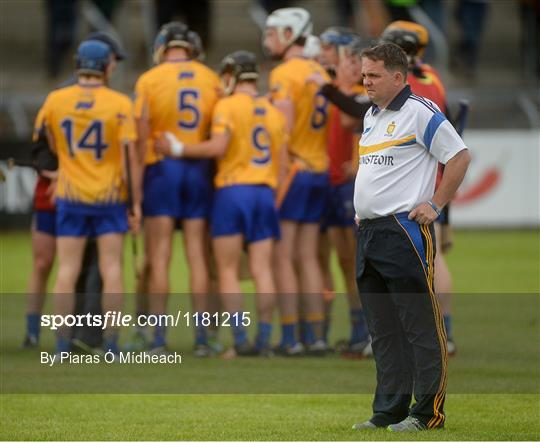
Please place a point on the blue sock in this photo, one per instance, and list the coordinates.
(159, 336)
(310, 333)
(326, 329)
(288, 334)
(62, 344)
(447, 318)
(302, 331)
(111, 345)
(239, 332)
(359, 330)
(263, 335)
(32, 324)
(110, 341)
(200, 332)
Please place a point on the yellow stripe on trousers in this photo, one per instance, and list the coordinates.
(438, 417)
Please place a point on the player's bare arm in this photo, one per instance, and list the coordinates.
(169, 145)
(453, 175)
(135, 214)
(143, 133)
(286, 106)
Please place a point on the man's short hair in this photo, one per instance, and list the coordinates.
(392, 55)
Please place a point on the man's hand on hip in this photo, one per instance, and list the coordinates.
(423, 214)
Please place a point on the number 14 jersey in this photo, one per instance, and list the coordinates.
(88, 125)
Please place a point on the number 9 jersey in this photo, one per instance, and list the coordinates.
(309, 133)
(177, 96)
(258, 131)
(88, 125)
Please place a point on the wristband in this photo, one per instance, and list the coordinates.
(434, 206)
(177, 147)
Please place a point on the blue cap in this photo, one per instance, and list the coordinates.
(110, 41)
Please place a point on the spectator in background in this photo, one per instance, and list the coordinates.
(196, 15)
(399, 9)
(61, 21)
(471, 17)
(530, 37)
(61, 28)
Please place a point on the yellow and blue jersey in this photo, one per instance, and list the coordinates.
(308, 139)
(88, 127)
(258, 131)
(178, 97)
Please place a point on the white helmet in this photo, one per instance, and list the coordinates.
(297, 20)
(312, 48)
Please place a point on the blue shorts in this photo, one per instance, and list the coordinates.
(306, 200)
(80, 220)
(45, 222)
(340, 207)
(245, 209)
(178, 189)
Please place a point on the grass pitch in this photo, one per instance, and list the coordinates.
(494, 383)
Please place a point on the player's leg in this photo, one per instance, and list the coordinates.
(263, 229)
(260, 255)
(43, 253)
(158, 232)
(110, 250)
(343, 238)
(443, 287)
(287, 283)
(325, 249)
(228, 251)
(196, 196)
(88, 298)
(228, 227)
(140, 339)
(70, 254)
(311, 282)
(196, 248)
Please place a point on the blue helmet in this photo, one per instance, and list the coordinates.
(93, 57)
(339, 36)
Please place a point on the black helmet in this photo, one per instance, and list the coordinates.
(197, 49)
(109, 40)
(405, 39)
(171, 35)
(241, 64)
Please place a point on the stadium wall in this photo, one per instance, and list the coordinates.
(501, 188)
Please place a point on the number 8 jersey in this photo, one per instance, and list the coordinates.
(178, 97)
(88, 125)
(309, 133)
